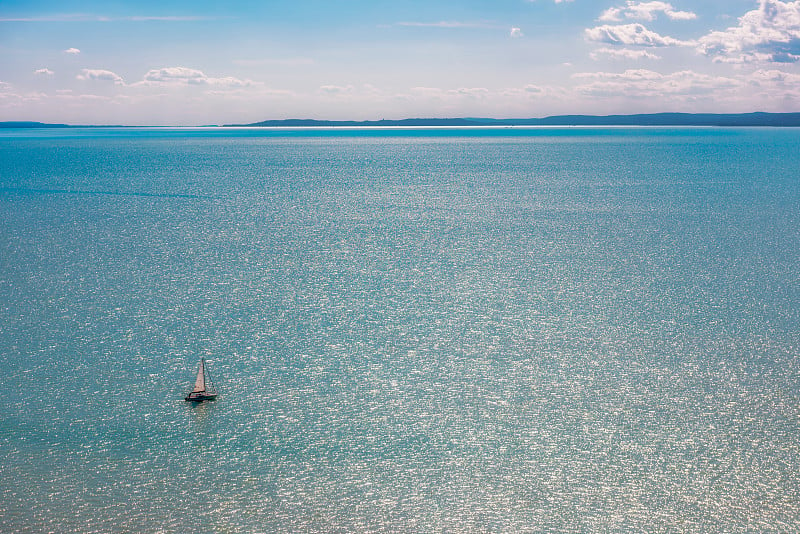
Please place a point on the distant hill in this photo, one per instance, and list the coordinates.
(653, 119)
(28, 124)
(666, 119)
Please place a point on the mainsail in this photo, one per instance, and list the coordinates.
(200, 383)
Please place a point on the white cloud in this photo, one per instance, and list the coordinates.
(426, 92)
(176, 75)
(647, 11)
(248, 94)
(470, 92)
(161, 18)
(778, 88)
(516, 32)
(770, 33)
(44, 72)
(182, 76)
(10, 98)
(101, 75)
(630, 34)
(775, 85)
(629, 75)
(622, 53)
(528, 93)
(612, 14)
(73, 51)
(83, 98)
(336, 90)
(775, 77)
(230, 81)
(644, 11)
(461, 92)
(642, 83)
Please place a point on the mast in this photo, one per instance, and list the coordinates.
(208, 382)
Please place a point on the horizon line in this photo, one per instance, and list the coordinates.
(666, 118)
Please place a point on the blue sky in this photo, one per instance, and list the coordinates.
(199, 62)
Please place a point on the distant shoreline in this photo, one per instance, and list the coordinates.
(651, 119)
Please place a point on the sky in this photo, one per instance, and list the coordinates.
(181, 62)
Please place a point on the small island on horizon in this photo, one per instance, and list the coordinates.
(644, 119)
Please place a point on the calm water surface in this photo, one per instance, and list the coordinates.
(432, 330)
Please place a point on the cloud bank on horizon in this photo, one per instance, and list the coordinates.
(305, 58)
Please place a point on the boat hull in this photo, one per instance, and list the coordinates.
(201, 398)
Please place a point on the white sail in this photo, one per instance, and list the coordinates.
(200, 383)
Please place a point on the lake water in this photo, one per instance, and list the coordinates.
(412, 330)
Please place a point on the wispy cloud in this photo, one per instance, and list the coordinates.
(645, 11)
(72, 51)
(336, 90)
(774, 89)
(176, 18)
(781, 84)
(622, 53)
(64, 17)
(10, 98)
(365, 92)
(86, 17)
(289, 62)
(44, 72)
(461, 92)
(642, 83)
(452, 24)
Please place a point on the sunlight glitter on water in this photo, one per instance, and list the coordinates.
(409, 334)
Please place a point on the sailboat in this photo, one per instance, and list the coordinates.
(203, 386)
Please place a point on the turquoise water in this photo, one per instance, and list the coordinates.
(418, 330)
